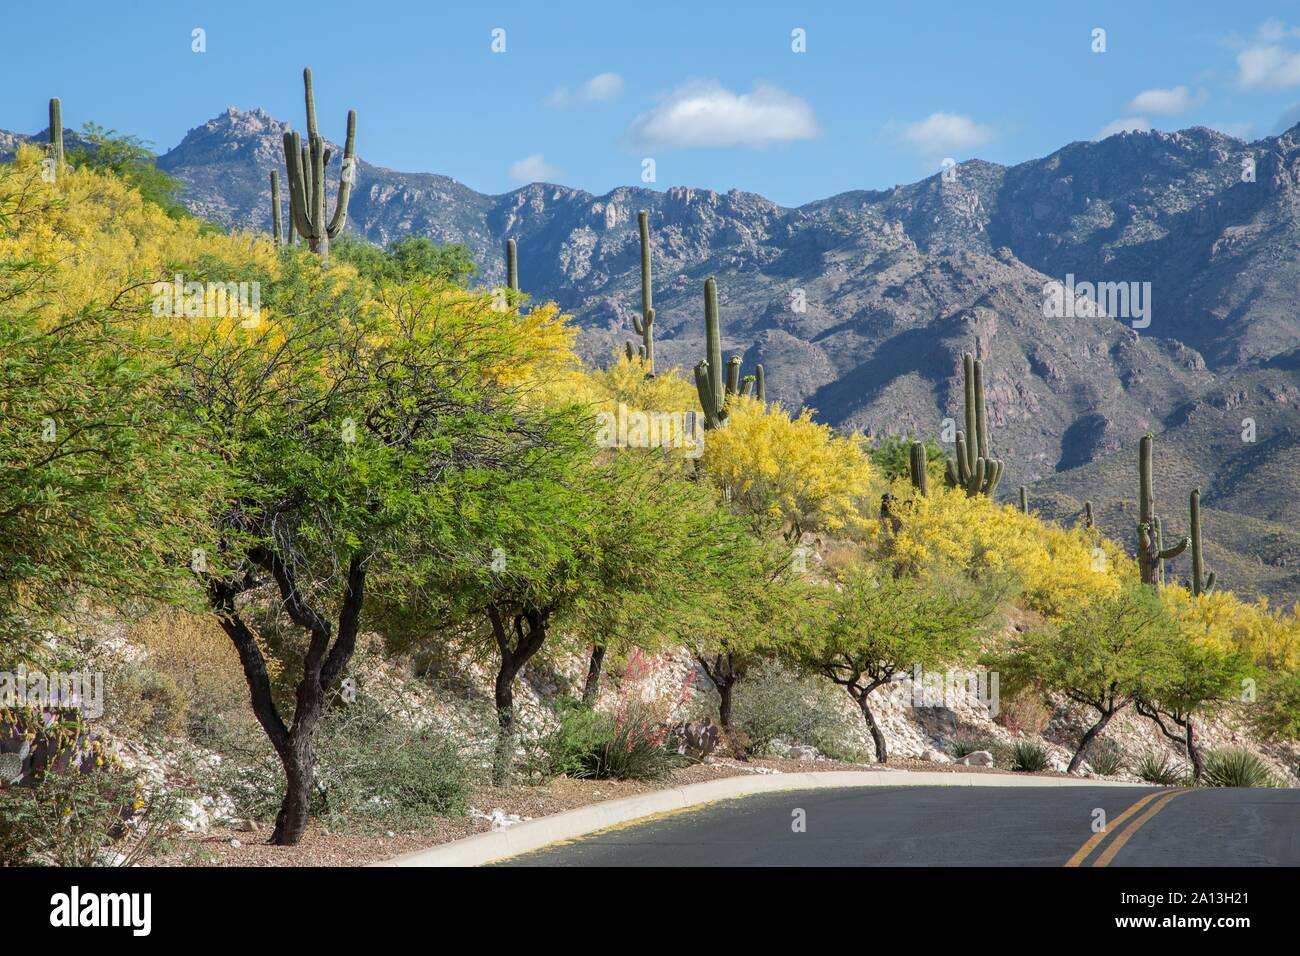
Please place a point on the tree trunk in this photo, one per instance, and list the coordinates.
(724, 702)
(1088, 738)
(877, 737)
(299, 760)
(1193, 753)
(504, 757)
(591, 691)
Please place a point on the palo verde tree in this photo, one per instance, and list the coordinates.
(356, 432)
(879, 624)
(1104, 655)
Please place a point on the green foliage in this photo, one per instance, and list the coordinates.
(568, 750)
(131, 159)
(1275, 713)
(775, 702)
(963, 746)
(890, 456)
(406, 259)
(67, 818)
(1028, 756)
(1235, 767)
(1159, 767)
(1107, 757)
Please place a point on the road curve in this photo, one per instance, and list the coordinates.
(957, 826)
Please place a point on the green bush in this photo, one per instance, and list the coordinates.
(1027, 756)
(964, 746)
(632, 753)
(1235, 767)
(1161, 768)
(567, 750)
(1107, 758)
(775, 703)
(592, 744)
(70, 818)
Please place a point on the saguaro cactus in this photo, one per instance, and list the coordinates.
(645, 322)
(1024, 500)
(1201, 583)
(276, 222)
(306, 167)
(512, 266)
(974, 469)
(1087, 515)
(916, 466)
(56, 133)
(713, 385)
(1151, 552)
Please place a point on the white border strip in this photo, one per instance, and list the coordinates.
(535, 834)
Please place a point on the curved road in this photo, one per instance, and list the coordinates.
(958, 826)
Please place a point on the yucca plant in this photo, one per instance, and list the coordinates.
(1028, 756)
(1107, 758)
(1235, 767)
(1161, 768)
(964, 746)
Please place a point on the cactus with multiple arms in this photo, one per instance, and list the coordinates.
(974, 469)
(711, 382)
(1201, 583)
(306, 167)
(645, 322)
(916, 466)
(1151, 552)
(56, 134)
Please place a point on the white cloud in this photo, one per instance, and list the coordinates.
(940, 134)
(534, 169)
(1266, 64)
(704, 113)
(601, 88)
(1129, 124)
(1172, 101)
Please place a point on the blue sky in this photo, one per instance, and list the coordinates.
(584, 92)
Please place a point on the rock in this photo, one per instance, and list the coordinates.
(236, 844)
(980, 758)
(245, 826)
(936, 756)
(803, 752)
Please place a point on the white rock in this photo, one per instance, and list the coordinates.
(980, 758)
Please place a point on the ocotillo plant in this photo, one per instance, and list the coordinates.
(276, 222)
(645, 322)
(1201, 583)
(713, 385)
(974, 470)
(512, 266)
(916, 466)
(1151, 552)
(306, 166)
(56, 134)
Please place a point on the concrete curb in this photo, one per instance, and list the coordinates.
(535, 834)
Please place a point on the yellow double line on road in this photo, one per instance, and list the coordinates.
(1126, 834)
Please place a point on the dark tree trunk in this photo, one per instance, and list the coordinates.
(299, 761)
(591, 690)
(877, 737)
(724, 702)
(1193, 752)
(1088, 738)
(529, 635)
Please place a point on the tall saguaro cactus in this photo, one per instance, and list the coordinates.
(1201, 583)
(916, 467)
(1151, 552)
(277, 225)
(711, 382)
(56, 133)
(512, 266)
(306, 166)
(974, 469)
(1024, 500)
(645, 322)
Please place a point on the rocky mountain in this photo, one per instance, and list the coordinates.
(861, 305)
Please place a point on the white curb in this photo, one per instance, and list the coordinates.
(535, 834)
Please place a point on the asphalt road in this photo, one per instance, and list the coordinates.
(958, 826)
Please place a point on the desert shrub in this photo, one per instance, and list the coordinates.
(629, 745)
(1024, 712)
(1027, 756)
(144, 702)
(567, 750)
(632, 752)
(1235, 767)
(1161, 768)
(1107, 758)
(965, 745)
(68, 818)
(776, 703)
